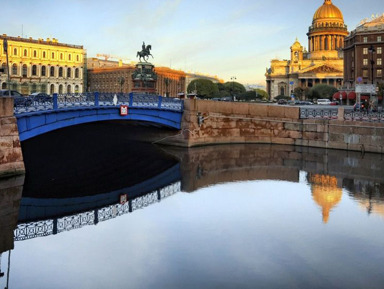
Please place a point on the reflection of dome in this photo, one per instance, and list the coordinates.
(325, 193)
(328, 11)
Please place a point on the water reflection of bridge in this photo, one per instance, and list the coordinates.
(54, 226)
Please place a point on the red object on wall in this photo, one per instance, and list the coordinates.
(123, 109)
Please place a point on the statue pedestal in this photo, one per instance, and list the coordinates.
(144, 78)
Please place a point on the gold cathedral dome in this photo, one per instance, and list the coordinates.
(328, 12)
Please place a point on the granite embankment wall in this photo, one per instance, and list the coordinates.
(11, 157)
(226, 122)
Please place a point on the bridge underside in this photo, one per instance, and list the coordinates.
(37, 123)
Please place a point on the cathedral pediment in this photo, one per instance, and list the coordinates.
(322, 69)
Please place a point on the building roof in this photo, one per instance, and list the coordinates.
(328, 11)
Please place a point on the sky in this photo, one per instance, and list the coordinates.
(228, 39)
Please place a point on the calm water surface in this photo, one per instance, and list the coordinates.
(239, 216)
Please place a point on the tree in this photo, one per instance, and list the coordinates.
(298, 92)
(322, 91)
(234, 88)
(203, 87)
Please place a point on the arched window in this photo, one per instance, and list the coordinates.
(4, 85)
(76, 88)
(60, 72)
(76, 73)
(44, 54)
(69, 57)
(33, 88)
(69, 72)
(34, 70)
(53, 55)
(52, 71)
(25, 52)
(44, 88)
(15, 51)
(14, 69)
(4, 67)
(25, 70)
(77, 57)
(69, 89)
(60, 89)
(43, 71)
(52, 89)
(34, 53)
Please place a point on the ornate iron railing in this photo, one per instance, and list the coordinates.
(322, 113)
(350, 114)
(53, 226)
(84, 100)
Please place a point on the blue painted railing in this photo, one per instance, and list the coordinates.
(96, 99)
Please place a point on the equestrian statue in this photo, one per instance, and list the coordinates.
(144, 53)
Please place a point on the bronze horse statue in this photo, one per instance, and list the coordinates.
(145, 53)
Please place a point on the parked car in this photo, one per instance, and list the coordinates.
(19, 99)
(334, 102)
(40, 97)
(323, 101)
(282, 101)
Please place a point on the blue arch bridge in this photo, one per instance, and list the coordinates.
(38, 117)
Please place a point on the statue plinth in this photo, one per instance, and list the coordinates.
(144, 78)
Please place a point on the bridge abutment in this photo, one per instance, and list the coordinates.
(11, 157)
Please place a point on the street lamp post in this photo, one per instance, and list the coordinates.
(233, 78)
(372, 50)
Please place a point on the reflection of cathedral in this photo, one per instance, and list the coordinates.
(322, 63)
(325, 192)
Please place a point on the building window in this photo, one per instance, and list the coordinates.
(378, 50)
(69, 57)
(61, 56)
(77, 58)
(25, 70)
(60, 72)
(379, 73)
(69, 72)
(378, 38)
(76, 73)
(52, 71)
(365, 50)
(44, 55)
(365, 61)
(53, 55)
(15, 51)
(365, 73)
(34, 53)
(365, 39)
(43, 71)
(25, 52)
(378, 62)
(60, 89)
(34, 70)
(14, 69)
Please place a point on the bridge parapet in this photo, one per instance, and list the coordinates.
(95, 99)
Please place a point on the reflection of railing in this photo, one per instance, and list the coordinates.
(322, 113)
(89, 100)
(53, 226)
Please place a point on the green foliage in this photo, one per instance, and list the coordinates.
(234, 88)
(380, 85)
(298, 92)
(204, 88)
(282, 97)
(322, 91)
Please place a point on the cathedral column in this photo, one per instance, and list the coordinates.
(329, 42)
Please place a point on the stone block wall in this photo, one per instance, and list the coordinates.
(10, 195)
(228, 122)
(11, 158)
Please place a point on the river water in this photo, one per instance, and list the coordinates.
(111, 213)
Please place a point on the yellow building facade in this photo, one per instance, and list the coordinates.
(322, 63)
(42, 66)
